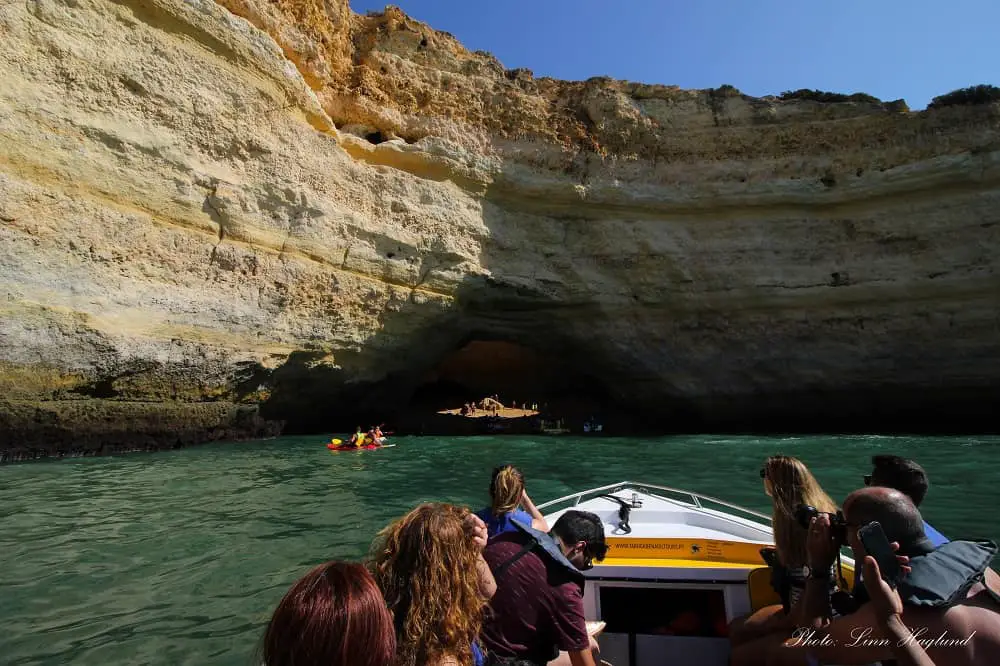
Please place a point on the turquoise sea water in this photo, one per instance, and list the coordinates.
(179, 557)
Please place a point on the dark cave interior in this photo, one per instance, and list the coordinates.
(461, 371)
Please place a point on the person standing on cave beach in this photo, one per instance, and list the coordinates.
(506, 493)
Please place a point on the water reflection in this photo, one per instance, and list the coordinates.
(179, 557)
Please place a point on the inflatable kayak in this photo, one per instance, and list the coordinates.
(336, 449)
(366, 444)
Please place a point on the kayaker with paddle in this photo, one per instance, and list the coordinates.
(375, 435)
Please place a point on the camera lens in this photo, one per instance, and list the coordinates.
(804, 514)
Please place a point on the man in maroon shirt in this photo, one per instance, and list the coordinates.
(537, 610)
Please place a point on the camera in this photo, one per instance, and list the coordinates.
(804, 514)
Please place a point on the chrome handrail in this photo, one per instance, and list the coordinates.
(696, 499)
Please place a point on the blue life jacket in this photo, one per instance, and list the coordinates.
(503, 523)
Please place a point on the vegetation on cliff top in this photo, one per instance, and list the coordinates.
(981, 94)
(828, 97)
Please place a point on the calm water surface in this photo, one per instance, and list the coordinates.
(179, 557)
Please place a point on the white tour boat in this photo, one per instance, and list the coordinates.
(679, 568)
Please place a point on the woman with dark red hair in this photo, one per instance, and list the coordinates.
(333, 616)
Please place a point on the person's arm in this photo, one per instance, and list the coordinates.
(849, 640)
(907, 651)
(537, 519)
(581, 657)
(888, 607)
(487, 584)
(821, 551)
(569, 626)
(796, 615)
(476, 529)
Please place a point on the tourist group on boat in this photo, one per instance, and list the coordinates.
(446, 586)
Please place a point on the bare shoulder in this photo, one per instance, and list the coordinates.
(992, 579)
(980, 596)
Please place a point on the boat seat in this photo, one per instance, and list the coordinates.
(759, 589)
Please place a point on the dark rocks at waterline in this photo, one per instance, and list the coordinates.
(79, 428)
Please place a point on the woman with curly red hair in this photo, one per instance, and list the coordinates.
(430, 568)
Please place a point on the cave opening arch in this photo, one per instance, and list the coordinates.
(552, 379)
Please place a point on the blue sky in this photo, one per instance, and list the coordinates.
(914, 49)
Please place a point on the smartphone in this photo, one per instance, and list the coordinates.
(877, 545)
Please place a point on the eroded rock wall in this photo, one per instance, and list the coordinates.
(209, 207)
(178, 214)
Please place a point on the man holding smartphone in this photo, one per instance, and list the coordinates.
(888, 606)
(960, 627)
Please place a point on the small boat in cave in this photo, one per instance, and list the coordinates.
(680, 567)
(553, 428)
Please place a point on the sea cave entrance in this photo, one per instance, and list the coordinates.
(544, 384)
(500, 386)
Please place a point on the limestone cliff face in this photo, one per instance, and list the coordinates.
(216, 216)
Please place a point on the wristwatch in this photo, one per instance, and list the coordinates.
(823, 574)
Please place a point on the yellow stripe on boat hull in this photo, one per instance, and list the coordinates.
(689, 553)
(676, 563)
(699, 552)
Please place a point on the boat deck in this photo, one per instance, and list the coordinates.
(654, 513)
(677, 572)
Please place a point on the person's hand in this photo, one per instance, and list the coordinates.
(821, 547)
(475, 528)
(884, 598)
(594, 647)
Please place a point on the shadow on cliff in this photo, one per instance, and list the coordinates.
(531, 341)
(464, 355)
(497, 338)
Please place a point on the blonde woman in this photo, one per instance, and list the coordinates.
(506, 493)
(429, 565)
(789, 484)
